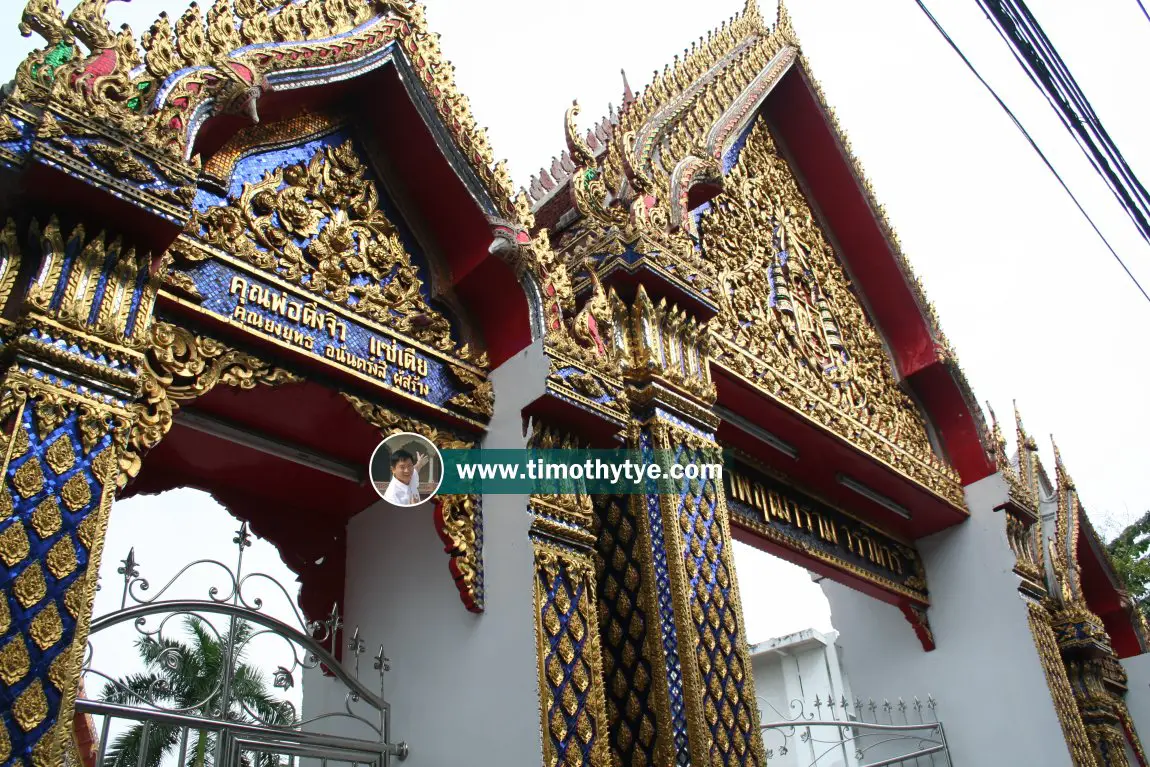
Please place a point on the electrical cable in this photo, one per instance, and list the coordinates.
(938, 26)
(1037, 56)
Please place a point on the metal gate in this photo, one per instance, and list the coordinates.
(856, 735)
(200, 703)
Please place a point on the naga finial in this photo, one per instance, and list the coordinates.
(90, 26)
(577, 147)
(45, 19)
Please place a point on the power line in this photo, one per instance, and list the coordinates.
(1038, 57)
(1144, 13)
(1034, 146)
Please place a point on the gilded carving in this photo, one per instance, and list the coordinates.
(14, 661)
(351, 253)
(181, 366)
(29, 586)
(60, 455)
(29, 478)
(30, 707)
(61, 558)
(46, 518)
(121, 162)
(389, 421)
(46, 628)
(791, 323)
(76, 492)
(459, 524)
(13, 544)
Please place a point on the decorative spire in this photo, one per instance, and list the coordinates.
(1064, 478)
(783, 25)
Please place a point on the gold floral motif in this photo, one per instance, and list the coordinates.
(29, 586)
(93, 425)
(13, 544)
(88, 531)
(31, 707)
(58, 671)
(5, 616)
(814, 346)
(290, 205)
(20, 443)
(46, 628)
(29, 478)
(61, 557)
(459, 520)
(481, 397)
(104, 466)
(14, 661)
(75, 601)
(5, 742)
(6, 507)
(51, 411)
(76, 492)
(46, 518)
(121, 162)
(60, 455)
(562, 623)
(8, 130)
(390, 422)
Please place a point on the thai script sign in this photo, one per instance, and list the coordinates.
(316, 328)
(784, 516)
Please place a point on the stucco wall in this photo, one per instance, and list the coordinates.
(463, 687)
(985, 672)
(1138, 698)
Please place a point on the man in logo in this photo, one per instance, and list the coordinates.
(403, 490)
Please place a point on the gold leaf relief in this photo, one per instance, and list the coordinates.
(29, 478)
(318, 224)
(13, 543)
(59, 673)
(77, 599)
(14, 661)
(88, 530)
(29, 585)
(20, 443)
(50, 413)
(5, 742)
(77, 493)
(61, 557)
(789, 314)
(5, 616)
(46, 627)
(46, 518)
(31, 707)
(60, 455)
(6, 507)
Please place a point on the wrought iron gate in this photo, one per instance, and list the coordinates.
(856, 735)
(202, 704)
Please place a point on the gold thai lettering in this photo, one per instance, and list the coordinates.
(781, 510)
(397, 355)
(278, 302)
(357, 363)
(293, 336)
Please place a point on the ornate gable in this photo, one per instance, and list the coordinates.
(790, 321)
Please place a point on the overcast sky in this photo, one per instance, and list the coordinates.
(1035, 306)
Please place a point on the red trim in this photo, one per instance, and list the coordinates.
(802, 126)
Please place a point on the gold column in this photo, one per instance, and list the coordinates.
(571, 697)
(705, 703)
(72, 361)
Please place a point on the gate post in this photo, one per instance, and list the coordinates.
(571, 696)
(704, 699)
(72, 359)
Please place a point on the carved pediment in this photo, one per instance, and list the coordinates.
(312, 215)
(791, 323)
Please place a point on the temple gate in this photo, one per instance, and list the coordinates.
(271, 233)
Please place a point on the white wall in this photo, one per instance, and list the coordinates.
(464, 687)
(790, 672)
(1138, 698)
(985, 672)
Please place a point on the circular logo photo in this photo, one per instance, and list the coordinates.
(406, 469)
